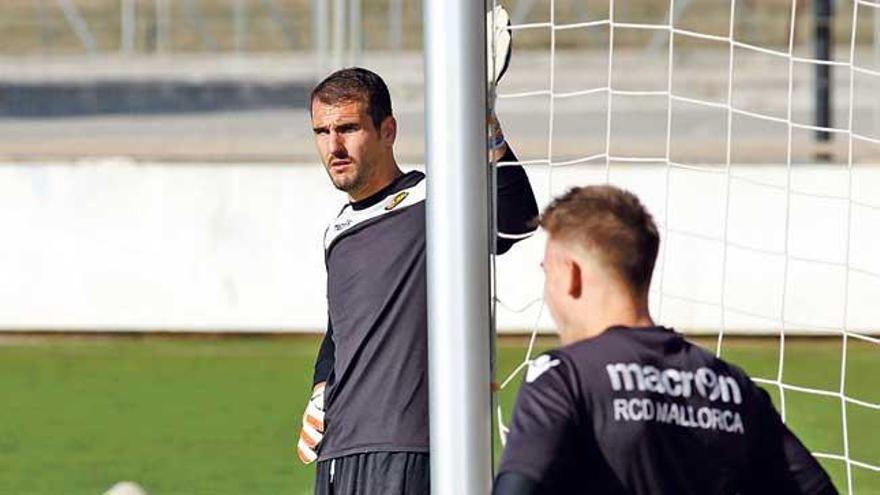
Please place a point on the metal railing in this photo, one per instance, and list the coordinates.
(340, 29)
(333, 28)
(339, 32)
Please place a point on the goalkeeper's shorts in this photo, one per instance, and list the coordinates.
(375, 473)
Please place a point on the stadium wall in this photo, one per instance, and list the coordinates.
(118, 245)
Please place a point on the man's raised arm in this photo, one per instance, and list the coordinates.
(516, 206)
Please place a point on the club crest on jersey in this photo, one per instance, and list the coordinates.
(539, 366)
(396, 200)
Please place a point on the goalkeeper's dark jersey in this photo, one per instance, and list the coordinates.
(375, 354)
(643, 411)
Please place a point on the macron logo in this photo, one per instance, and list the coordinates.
(673, 382)
(539, 366)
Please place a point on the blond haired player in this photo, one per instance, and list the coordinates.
(627, 406)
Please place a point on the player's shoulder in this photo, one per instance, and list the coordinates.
(550, 380)
(538, 367)
(406, 191)
(658, 344)
(619, 342)
(699, 356)
(411, 183)
(655, 346)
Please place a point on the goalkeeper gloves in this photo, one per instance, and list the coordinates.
(498, 46)
(312, 427)
(498, 43)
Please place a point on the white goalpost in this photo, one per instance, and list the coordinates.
(457, 247)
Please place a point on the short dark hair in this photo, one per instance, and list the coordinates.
(611, 222)
(355, 84)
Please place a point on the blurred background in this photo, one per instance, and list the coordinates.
(227, 79)
(159, 188)
(158, 157)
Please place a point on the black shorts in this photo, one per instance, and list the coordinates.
(375, 473)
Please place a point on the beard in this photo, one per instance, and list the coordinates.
(351, 181)
(347, 183)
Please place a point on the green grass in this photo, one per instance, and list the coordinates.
(219, 416)
(181, 417)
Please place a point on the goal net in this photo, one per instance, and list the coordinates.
(751, 130)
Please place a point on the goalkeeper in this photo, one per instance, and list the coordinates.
(366, 423)
(627, 406)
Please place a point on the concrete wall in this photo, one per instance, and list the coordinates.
(119, 245)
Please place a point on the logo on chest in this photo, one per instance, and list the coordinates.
(396, 200)
(339, 226)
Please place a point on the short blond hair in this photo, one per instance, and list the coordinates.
(611, 222)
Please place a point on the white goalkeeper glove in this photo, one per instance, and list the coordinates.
(498, 36)
(312, 427)
(498, 45)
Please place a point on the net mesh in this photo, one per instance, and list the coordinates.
(766, 217)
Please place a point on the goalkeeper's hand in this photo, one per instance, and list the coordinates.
(312, 427)
(498, 43)
(498, 46)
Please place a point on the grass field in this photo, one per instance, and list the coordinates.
(219, 416)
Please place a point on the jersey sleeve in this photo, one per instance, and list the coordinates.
(326, 357)
(544, 419)
(517, 208)
(781, 460)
